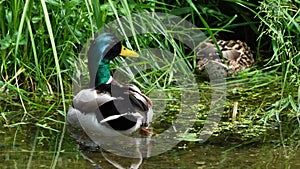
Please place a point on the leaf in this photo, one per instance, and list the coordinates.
(293, 104)
(190, 137)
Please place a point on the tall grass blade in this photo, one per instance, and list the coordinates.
(50, 32)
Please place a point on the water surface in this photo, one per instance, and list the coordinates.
(28, 148)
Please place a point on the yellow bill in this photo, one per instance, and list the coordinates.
(128, 53)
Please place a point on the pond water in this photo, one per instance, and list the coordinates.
(31, 148)
(241, 143)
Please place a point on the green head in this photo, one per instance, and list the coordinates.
(102, 50)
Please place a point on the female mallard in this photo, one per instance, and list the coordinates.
(236, 56)
(108, 107)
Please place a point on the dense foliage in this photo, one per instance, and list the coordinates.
(40, 42)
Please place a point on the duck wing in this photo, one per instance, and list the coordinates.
(129, 107)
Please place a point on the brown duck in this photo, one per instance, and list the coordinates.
(236, 57)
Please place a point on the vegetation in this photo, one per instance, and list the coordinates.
(41, 42)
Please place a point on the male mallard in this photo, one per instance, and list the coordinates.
(237, 56)
(108, 107)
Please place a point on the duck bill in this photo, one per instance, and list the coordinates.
(128, 53)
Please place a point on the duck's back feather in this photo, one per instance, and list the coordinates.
(88, 100)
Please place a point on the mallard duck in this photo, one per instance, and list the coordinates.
(237, 56)
(107, 107)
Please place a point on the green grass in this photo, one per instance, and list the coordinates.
(41, 42)
(280, 21)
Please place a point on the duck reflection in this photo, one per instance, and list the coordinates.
(104, 159)
(119, 151)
